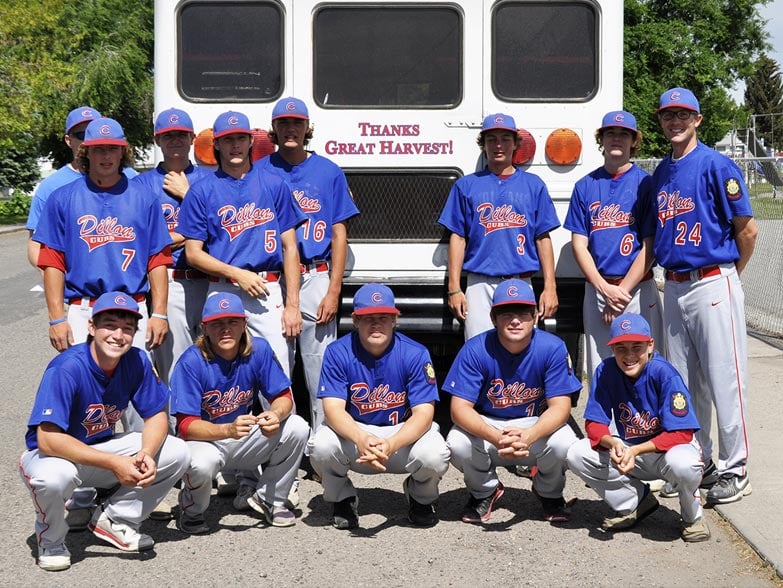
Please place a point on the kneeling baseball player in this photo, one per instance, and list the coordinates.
(655, 433)
(379, 391)
(71, 440)
(511, 392)
(215, 385)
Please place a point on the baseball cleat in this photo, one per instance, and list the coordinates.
(618, 522)
(78, 519)
(240, 500)
(695, 532)
(421, 515)
(555, 509)
(121, 536)
(55, 558)
(192, 524)
(478, 510)
(345, 513)
(277, 516)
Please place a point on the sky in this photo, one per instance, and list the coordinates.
(773, 14)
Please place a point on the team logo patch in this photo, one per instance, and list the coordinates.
(376, 297)
(619, 117)
(233, 121)
(290, 106)
(105, 130)
(679, 404)
(174, 119)
(733, 190)
(429, 372)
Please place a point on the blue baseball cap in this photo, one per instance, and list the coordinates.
(80, 115)
(116, 301)
(230, 123)
(104, 131)
(621, 119)
(679, 98)
(290, 108)
(629, 327)
(222, 305)
(173, 119)
(500, 121)
(513, 291)
(374, 299)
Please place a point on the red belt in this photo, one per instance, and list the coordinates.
(268, 276)
(703, 272)
(617, 281)
(78, 299)
(188, 274)
(317, 266)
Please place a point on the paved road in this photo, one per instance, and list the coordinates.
(515, 548)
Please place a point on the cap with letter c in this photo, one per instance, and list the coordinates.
(629, 327)
(116, 301)
(230, 123)
(290, 108)
(513, 291)
(104, 131)
(173, 119)
(222, 305)
(374, 299)
(619, 118)
(679, 98)
(80, 115)
(499, 121)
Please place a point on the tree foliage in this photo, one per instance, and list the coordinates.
(705, 46)
(764, 96)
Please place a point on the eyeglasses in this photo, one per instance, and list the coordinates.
(680, 114)
(77, 135)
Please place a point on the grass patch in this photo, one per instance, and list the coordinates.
(767, 208)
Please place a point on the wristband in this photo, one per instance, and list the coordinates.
(58, 321)
(164, 317)
(453, 292)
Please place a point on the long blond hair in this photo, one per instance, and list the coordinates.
(203, 344)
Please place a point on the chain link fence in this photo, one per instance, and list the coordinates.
(762, 279)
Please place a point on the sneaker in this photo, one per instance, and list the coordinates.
(55, 558)
(669, 490)
(192, 524)
(478, 510)
(162, 512)
(695, 531)
(421, 515)
(555, 509)
(710, 477)
(78, 519)
(293, 500)
(524, 471)
(730, 488)
(345, 513)
(226, 484)
(119, 535)
(645, 508)
(243, 493)
(277, 516)
(656, 485)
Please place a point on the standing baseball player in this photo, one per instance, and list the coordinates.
(321, 192)
(240, 228)
(75, 125)
(500, 219)
(379, 392)
(215, 385)
(705, 236)
(99, 234)
(170, 181)
(511, 392)
(612, 239)
(655, 433)
(71, 440)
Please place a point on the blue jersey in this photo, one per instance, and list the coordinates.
(170, 205)
(240, 220)
(696, 198)
(219, 391)
(321, 192)
(76, 395)
(378, 391)
(508, 386)
(107, 236)
(658, 401)
(500, 220)
(62, 177)
(608, 211)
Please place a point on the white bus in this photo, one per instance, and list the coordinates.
(396, 92)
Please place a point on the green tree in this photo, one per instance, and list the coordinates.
(704, 46)
(764, 96)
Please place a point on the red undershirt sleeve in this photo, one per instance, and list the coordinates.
(595, 431)
(51, 258)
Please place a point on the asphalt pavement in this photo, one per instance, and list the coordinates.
(758, 518)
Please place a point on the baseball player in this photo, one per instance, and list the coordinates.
(170, 181)
(215, 385)
(379, 392)
(99, 234)
(71, 440)
(511, 392)
(612, 239)
(655, 433)
(705, 236)
(500, 219)
(321, 192)
(75, 125)
(240, 228)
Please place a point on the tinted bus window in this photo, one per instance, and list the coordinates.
(230, 51)
(387, 56)
(545, 51)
